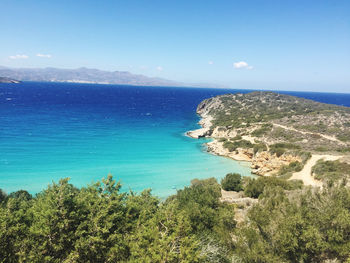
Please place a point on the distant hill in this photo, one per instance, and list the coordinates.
(8, 80)
(83, 75)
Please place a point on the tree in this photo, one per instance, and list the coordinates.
(54, 222)
(20, 194)
(312, 226)
(102, 233)
(2, 196)
(232, 182)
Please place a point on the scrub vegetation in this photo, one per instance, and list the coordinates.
(101, 223)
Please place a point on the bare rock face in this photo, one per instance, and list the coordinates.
(205, 131)
(199, 133)
(240, 154)
(264, 163)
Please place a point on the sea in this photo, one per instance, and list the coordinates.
(50, 131)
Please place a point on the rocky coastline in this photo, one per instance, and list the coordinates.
(263, 162)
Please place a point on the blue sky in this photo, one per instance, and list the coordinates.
(297, 45)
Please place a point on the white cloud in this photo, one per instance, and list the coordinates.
(211, 62)
(242, 64)
(44, 55)
(159, 68)
(19, 57)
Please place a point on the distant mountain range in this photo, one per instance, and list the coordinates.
(83, 75)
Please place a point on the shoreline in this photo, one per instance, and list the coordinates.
(262, 163)
(215, 147)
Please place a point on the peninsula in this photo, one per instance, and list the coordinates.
(280, 135)
(8, 80)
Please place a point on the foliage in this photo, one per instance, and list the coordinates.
(345, 137)
(280, 148)
(2, 195)
(265, 128)
(257, 107)
(312, 226)
(255, 187)
(331, 170)
(232, 146)
(99, 223)
(286, 171)
(21, 194)
(259, 147)
(232, 182)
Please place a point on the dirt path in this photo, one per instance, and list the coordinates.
(331, 138)
(305, 174)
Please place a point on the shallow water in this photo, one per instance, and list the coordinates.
(55, 130)
(85, 131)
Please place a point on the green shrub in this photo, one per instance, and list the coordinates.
(313, 226)
(280, 148)
(232, 146)
(259, 147)
(255, 187)
(286, 171)
(344, 137)
(262, 130)
(344, 149)
(2, 195)
(229, 146)
(331, 170)
(232, 182)
(321, 149)
(277, 151)
(237, 137)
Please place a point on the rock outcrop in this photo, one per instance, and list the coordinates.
(265, 163)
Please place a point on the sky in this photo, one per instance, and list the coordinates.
(261, 44)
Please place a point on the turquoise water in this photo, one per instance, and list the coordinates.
(52, 131)
(83, 131)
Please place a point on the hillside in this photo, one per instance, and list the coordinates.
(8, 80)
(277, 133)
(83, 75)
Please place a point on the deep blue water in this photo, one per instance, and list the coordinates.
(85, 131)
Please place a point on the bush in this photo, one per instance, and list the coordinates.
(259, 147)
(313, 226)
(344, 137)
(262, 130)
(237, 137)
(331, 170)
(291, 168)
(255, 187)
(21, 195)
(232, 146)
(2, 195)
(232, 182)
(278, 151)
(280, 148)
